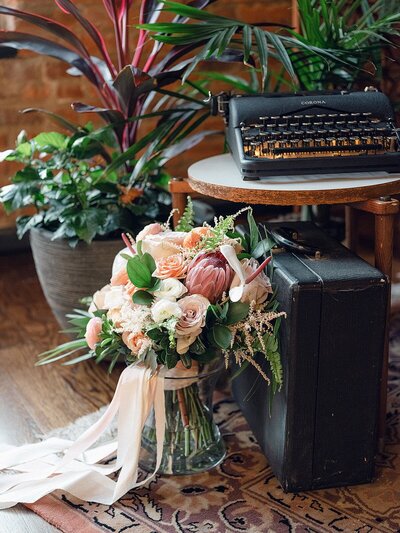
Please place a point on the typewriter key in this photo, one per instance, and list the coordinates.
(393, 144)
(378, 140)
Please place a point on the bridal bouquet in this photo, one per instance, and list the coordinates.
(177, 298)
(181, 303)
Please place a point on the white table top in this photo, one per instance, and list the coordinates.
(220, 175)
(222, 170)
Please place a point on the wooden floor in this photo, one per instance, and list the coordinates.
(33, 399)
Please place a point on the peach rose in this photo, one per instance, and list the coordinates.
(136, 342)
(163, 244)
(130, 288)
(191, 322)
(93, 330)
(150, 229)
(195, 236)
(120, 277)
(173, 266)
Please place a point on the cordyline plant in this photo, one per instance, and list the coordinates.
(127, 85)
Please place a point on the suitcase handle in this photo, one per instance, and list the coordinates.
(289, 238)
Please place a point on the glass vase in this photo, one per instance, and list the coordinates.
(192, 441)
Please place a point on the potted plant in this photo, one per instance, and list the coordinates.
(79, 207)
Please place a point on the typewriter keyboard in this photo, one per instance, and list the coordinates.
(339, 134)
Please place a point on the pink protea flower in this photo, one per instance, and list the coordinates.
(209, 274)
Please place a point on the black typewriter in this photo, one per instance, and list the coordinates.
(310, 133)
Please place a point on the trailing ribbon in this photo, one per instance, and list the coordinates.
(40, 471)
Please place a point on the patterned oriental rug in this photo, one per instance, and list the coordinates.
(242, 494)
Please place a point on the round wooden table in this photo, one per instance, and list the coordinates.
(219, 177)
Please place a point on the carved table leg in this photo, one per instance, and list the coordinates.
(385, 210)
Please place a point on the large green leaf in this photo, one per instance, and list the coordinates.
(237, 311)
(140, 270)
(222, 336)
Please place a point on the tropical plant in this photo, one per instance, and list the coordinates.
(358, 31)
(127, 86)
(63, 179)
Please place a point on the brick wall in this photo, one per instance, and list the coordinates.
(30, 80)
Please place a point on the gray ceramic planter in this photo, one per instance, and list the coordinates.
(68, 274)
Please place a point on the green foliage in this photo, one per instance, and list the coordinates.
(217, 35)
(110, 345)
(237, 311)
(222, 226)
(221, 336)
(140, 272)
(63, 178)
(355, 32)
(142, 298)
(186, 222)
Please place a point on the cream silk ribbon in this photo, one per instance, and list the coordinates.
(38, 470)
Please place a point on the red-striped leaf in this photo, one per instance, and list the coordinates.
(24, 41)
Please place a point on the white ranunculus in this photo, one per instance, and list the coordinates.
(165, 309)
(170, 289)
(115, 297)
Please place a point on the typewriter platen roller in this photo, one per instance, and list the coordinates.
(309, 133)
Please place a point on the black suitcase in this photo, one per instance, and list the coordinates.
(321, 428)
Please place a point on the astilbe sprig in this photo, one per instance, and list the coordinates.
(257, 333)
